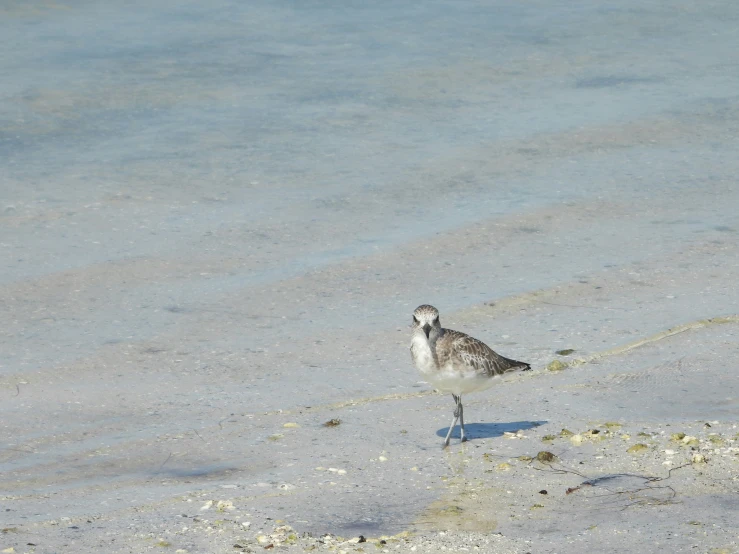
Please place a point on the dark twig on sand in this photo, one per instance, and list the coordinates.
(164, 462)
(198, 434)
(648, 482)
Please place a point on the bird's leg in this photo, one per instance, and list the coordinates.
(461, 419)
(454, 422)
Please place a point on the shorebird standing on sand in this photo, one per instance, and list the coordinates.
(451, 361)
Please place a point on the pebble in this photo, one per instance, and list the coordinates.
(517, 435)
(224, 505)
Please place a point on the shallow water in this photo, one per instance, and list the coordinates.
(217, 219)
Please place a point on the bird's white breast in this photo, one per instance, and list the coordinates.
(423, 358)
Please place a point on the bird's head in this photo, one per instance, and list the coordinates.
(426, 320)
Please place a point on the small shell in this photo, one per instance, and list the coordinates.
(699, 459)
(206, 506)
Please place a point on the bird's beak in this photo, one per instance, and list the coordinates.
(427, 329)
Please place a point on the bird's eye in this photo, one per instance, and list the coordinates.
(415, 319)
(436, 319)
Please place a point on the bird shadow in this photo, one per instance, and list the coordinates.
(490, 430)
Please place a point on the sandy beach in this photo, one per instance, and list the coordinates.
(216, 220)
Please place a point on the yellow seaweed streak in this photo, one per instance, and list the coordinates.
(354, 402)
(699, 324)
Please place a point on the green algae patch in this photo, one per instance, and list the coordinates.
(638, 448)
(556, 365)
(546, 457)
(451, 510)
(474, 507)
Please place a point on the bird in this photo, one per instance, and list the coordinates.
(454, 362)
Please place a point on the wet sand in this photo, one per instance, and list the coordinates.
(216, 221)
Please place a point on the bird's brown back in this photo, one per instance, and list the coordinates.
(460, 348)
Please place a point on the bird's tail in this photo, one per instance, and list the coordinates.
(516, 366)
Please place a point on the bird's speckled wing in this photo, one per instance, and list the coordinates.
(459, 347)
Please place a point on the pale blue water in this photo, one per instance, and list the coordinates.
(221, 208)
